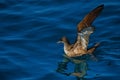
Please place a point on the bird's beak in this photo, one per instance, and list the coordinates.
(59, 42)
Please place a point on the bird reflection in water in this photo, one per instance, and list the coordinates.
(80, 68)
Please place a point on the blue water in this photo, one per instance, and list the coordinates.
(29, 30)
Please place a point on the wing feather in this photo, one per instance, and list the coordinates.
(89, 18)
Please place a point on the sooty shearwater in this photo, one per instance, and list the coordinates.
(84, 30)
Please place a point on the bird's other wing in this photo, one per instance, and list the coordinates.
(89, 18)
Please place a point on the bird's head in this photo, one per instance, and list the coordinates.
(63, 40)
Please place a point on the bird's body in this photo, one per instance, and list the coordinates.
(84, 29)
(77, 51)
(79, 48)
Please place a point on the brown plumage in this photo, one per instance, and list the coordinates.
(89, 18)
(84, 28)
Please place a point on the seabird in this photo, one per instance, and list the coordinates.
(84, 30)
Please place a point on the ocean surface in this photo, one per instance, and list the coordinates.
(29, 30)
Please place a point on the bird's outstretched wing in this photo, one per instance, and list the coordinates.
(89, 18)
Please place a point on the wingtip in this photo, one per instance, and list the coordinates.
(101, 6)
